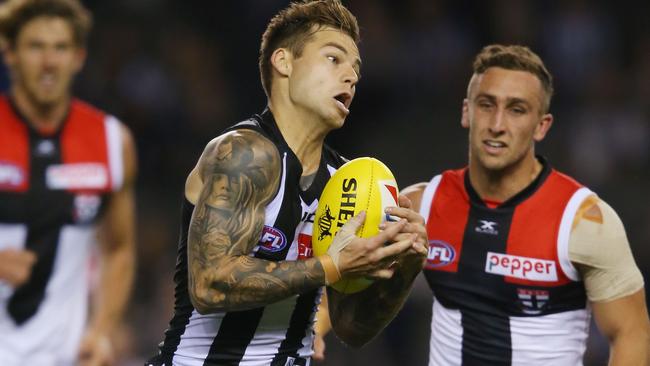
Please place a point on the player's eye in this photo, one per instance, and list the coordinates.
(484, 104)
(518, 110)
(334, 59)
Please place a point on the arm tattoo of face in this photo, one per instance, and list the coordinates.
(240, 172)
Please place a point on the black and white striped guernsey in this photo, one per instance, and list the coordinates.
(277, 334)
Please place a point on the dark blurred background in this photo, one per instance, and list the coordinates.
(179, 72)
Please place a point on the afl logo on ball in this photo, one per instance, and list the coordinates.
(440, 254)
(272, 240)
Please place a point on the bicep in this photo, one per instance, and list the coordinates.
(239, 173)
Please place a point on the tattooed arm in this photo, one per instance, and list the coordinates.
(350, 316)
(239, 173)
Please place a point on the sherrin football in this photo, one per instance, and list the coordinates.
(362, 184)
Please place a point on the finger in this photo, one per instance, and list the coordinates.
(405, 213)
(388, 234)
(383, 274)
(400, 236)
(394, 249)
(404, 201)
(353, 225)
(420, 249)
(409, 228)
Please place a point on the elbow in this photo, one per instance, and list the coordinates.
(200, 307)
(206, 300)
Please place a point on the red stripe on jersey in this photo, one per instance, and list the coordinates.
(14, 150)
(447, 218)
(536, 223)
(83, 139)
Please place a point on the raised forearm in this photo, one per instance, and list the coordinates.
(243, 282)
(358, 318)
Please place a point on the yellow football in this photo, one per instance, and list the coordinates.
(362, 184)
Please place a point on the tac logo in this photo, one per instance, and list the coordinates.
(325, 223)
(440, 254)
(532, 302)
(487, 227)
(272, 240)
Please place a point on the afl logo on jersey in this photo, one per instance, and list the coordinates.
(440, 254)
(272, 240)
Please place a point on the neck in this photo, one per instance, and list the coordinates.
(303, 132)
(40, 116)
(501, 185)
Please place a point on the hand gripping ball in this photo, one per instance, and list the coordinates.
(362, 184)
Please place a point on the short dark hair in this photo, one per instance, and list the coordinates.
(515, 57)
(14, 14)
(293, 26)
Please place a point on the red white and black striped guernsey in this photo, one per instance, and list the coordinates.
(276, 334)
(53, 188)
(505, 291)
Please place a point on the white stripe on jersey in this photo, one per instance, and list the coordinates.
(427, 197)
(331, 169)
(305, 228)
(200, 332)
(52, 335)
(565, 232)
(198, 337)
(273, 208)
(446, 336)
(556, 339)
(115, 152)
(270, 333)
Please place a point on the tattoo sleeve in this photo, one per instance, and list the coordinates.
(240, 171)
(351, 317)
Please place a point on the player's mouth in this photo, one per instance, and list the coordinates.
(494, 146)
(47, 80)
(344, 100)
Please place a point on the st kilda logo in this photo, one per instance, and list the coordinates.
(325, 224)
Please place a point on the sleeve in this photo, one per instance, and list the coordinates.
(599, 249)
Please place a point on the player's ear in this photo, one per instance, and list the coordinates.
(464, 119)
(8, 54)
(542, 127)
(79, 58)
(281, 61)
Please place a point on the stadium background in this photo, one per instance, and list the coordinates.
(179, 72)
